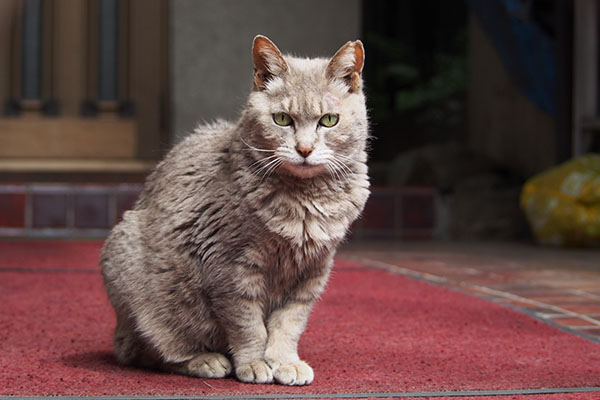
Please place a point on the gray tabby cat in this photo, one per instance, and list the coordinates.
(218, 265)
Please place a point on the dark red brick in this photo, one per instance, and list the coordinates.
(12, 210)
(379, 213)
(49, 210)
(125, 201)
(417, 210)
(91, 210)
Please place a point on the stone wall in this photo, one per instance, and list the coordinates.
(211, 68)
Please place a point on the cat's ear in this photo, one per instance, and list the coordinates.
(268, 61)
(347, 65)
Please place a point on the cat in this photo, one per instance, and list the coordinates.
(217, 267)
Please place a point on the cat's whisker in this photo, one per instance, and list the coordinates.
(268, 168)
(342, 168)
(345, 157)
(342, 157)
(271, 169)
(254, 148)
(267, 165)
(344, 164)
(333, 173)
(337, 173)
(262, 160)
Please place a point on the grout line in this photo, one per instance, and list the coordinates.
(12, 189)
(70, 203)
(511, 296)
(582, 327)
(583, 293)
(60, 233)
(50, 188)
(550, 316)
(364, 395)
(28, 209)
(12, 232)
(112, 207)
(50, 270)
(397, 268)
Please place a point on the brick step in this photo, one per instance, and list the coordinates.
(90, 210)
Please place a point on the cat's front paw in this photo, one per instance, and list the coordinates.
(294, 373)
(209, 365)
(255, 372)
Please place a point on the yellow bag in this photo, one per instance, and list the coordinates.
(563, 203)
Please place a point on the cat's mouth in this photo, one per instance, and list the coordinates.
(304, 169)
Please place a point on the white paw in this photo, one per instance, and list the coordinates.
(209, 365)
(295, 373)
(254, 372)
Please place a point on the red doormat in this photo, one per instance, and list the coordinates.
(373, 334)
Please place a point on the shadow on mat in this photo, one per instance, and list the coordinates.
(104, 361)
(93, 361)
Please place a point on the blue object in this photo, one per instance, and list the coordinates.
(527, 52)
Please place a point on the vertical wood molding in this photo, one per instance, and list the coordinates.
(92, 49)
(124, 49)
(16, 50)
(70, 54)
(585, 69)
(147, 26)
(47, 53)
(7, 20)
(164, 137)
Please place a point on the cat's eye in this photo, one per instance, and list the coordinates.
(282, 119)
(329, 120)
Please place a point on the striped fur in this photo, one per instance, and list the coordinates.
(217, 267)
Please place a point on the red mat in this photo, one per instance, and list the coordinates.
(372, 332)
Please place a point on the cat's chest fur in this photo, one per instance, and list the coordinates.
(306, 216)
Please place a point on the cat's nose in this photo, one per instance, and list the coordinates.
(304, 151)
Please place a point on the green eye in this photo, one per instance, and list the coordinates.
(329, 120)
(282, 119)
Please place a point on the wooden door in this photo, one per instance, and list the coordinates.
(83, 84)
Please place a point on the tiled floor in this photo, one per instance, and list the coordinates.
(559, 286)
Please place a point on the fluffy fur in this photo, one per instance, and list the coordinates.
(217, 267)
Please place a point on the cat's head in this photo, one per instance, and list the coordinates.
(308, 115)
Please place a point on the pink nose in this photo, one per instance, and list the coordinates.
(303, 151)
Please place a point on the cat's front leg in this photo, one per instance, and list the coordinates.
(247, 336)
(285, 325)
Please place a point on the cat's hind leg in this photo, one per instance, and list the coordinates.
(204, 365)
(130, 348)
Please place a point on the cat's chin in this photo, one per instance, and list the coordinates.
(304, 171)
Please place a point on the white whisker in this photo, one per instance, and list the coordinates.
(343, 165)
(262, 160)
(344, 156)
(271, 169)
(255, 148)
(268, 164)
(333, 173)
(340, 167)
(267, 169)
